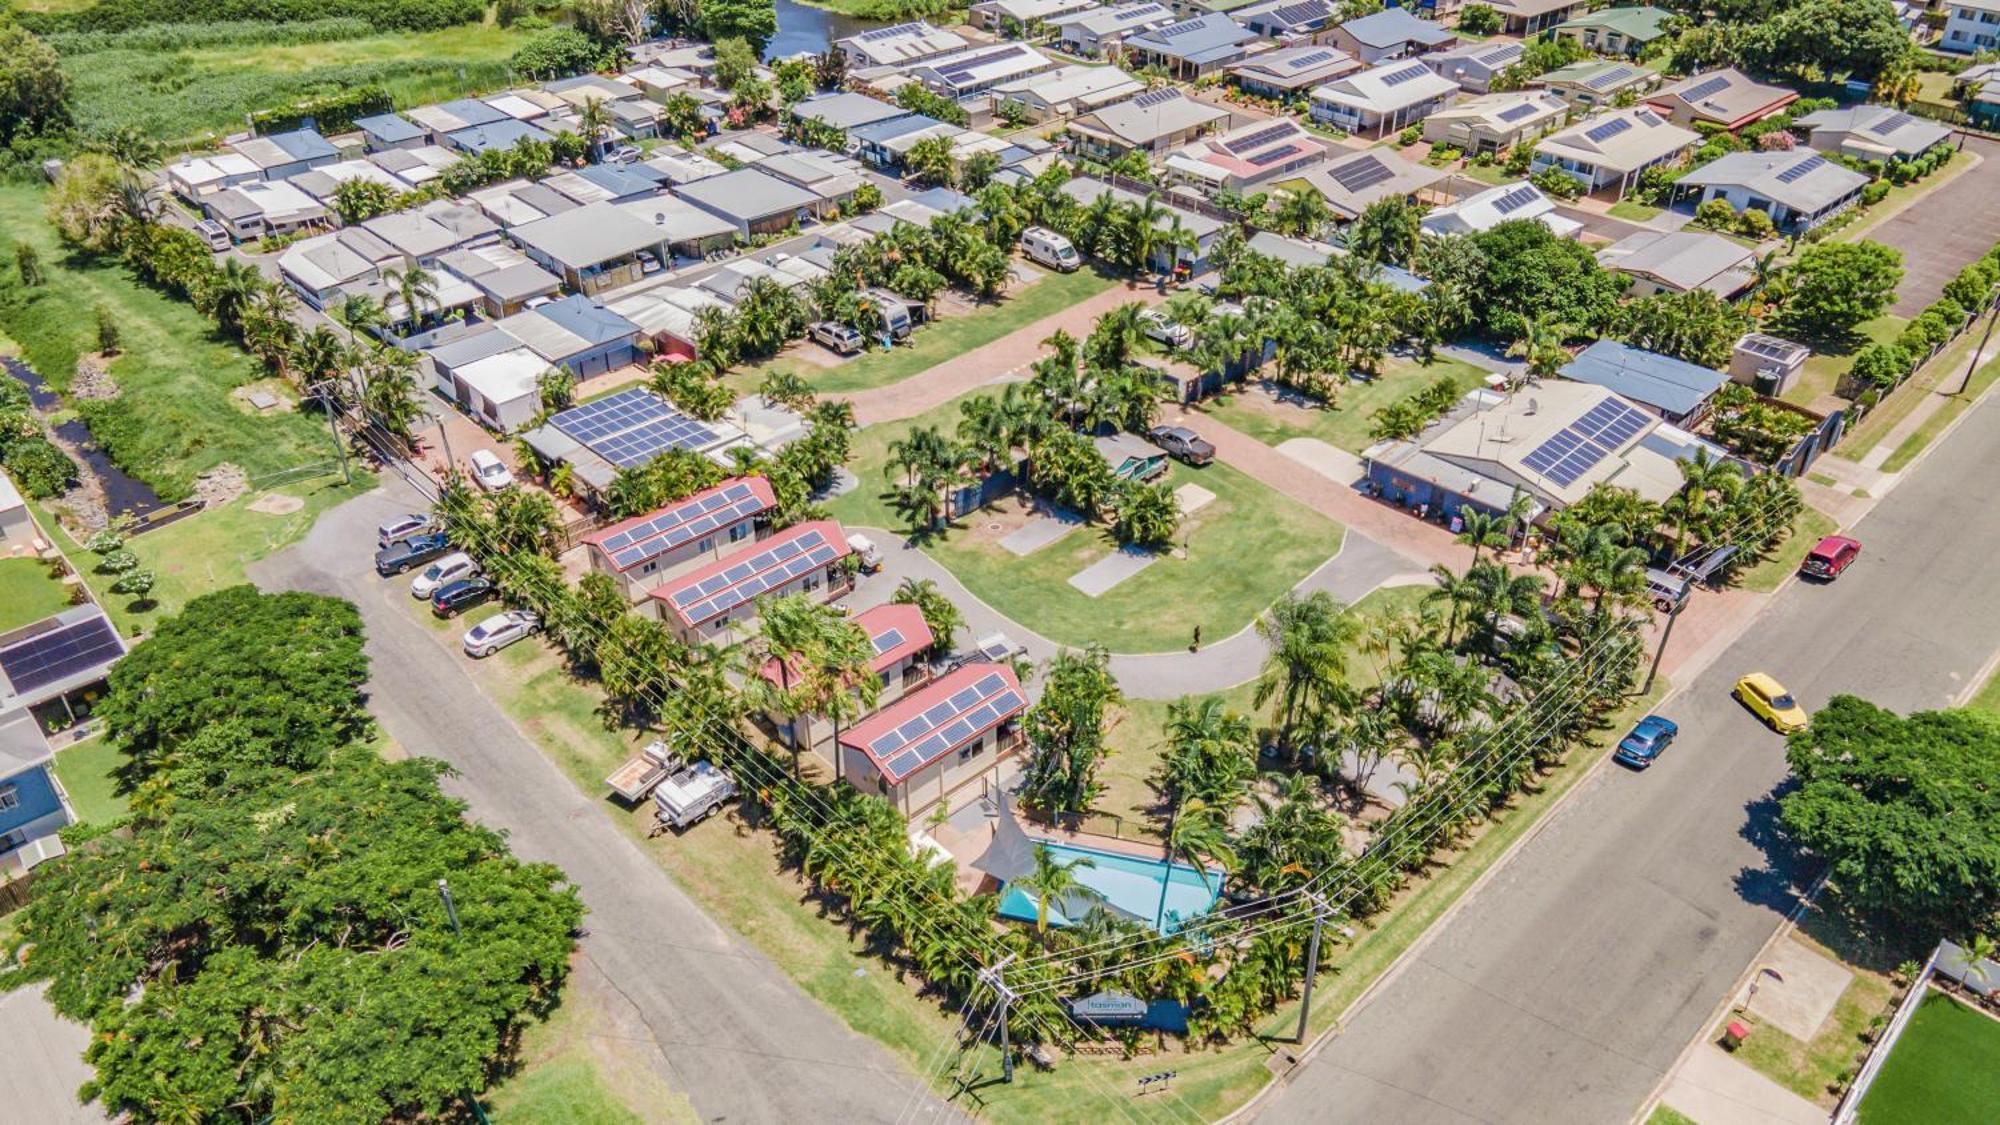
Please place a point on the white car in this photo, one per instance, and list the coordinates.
(499, 631)
(1159, 327)
(490, 471)
(443, 573)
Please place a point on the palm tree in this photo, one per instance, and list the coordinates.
(232, 290)
(1710, 484)
(1198, 832)
(1053, 879)
(359, 313)
(389, 391)
(1481, 529)
(1455, 591)
(941, 616)
(415, 287)
(929, 160)
(1301, 213)
(1541, 345)
(1306, 670)
(319, 355)
(592, 121)
(1143, 235)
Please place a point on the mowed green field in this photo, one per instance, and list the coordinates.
(1943, 1070)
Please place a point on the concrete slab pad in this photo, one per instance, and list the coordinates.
(1797, 989)
(1714, 1088)
(1193, 498)
(1039, 532)
(1329, 461)
(1110, 570)
(262, 400)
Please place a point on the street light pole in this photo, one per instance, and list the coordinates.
(327, 403)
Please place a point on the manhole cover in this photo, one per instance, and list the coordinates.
(994, 526)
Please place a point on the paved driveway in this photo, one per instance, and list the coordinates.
(1565, 988)
(739, 1038)
(1943, 231)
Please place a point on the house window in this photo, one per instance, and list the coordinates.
(705, 546)
(651, 566)
(812, 581)
(739, 532)
(10, 798)
(971, 750)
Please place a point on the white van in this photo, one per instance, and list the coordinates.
(1050, 249)
(214, 234)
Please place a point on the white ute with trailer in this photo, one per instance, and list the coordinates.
(692, 795)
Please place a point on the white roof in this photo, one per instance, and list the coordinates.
(1504, 113)
(499, 202)
(1255, 151)
(323, 261)
(901, 43)
(1488, 209)
(518, 107)
(1124, 17)
(1877, 128)
(578, 188)
(277, 200)
(1621, 140)
(1073, 87)
(1387, 87)
(669, 309)
(978, 66)
(1801, 179)
(1028, 11)
(684, 167)
(505, 377)
(1152, 115)
(676, 219)
(213, 168)
(436, 118)
(344, 170)
(659, 77)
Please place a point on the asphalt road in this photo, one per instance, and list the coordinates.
(1945, 230)
(739, 1038)
(1568, 985)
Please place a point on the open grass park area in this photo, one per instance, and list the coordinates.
(175, 417)
(190, 83)
(1943, 1070)
(85, 772)
(937, 342)
(28, 593)
(1344, 422)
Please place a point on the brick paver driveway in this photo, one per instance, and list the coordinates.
(1941, 232)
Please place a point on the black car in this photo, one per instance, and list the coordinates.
(462, 594)
(414, 551)
(1183, 443)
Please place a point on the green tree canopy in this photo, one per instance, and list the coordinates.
(284, 670)
(1834, 286)
(1905, 810)
(1829, 39)
(1066, 731)
(34, 90)
(1531, 270)
(1696, 326)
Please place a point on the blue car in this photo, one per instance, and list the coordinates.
(1648, 740)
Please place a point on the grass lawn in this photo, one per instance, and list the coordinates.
(175, 418)
(1944, 1070)
(196, 93)
(28, 594)
(85, 772)
(1634, 212)
(208, 551)
(940, 341)
(1988, 698)
(1928, 430)
(1944, 370)
(1211, 586)
(1492, 175)
(1813, 1069)
(577, 1068)
(1823, 369)
(1667, 1115)
(1345, 423)
(1811, 526)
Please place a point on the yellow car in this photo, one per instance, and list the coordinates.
(1768, 700)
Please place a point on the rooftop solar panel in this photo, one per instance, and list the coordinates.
(1578, 447)
(1890, 124)
(1515, 200)
(1408, 73)
(1283, 152)
(1261, 137)
(888, 640)
(1517, 112)
(1505, 53)
(1311, 59)
(1704, 89)
(56, 655)
(1802, 168)
(1359, 175)
(1156, 97)
(1608, 130)
(1610, 77)
(1295, 14)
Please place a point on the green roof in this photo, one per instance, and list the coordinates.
(1640, 24)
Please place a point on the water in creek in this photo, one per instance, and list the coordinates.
(804, 28)
(122, 491)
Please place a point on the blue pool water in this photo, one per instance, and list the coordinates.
(1127, 885)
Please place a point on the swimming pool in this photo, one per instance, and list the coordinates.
(1127, 885)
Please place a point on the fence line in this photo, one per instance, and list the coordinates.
(1850, 1103)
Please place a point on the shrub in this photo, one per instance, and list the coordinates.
(1715, 214)
(1874, 193)
(1755, 223)
(1409, 136)
(1881, 365)
(559, 53)
(1479, 19)
(42, 470)
(1556, 182)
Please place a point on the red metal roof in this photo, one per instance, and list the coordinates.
(700, 596)
(631, 542)
(954, 710)
(898, 631)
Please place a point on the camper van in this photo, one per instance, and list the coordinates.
(895, 311)
(1050, 249)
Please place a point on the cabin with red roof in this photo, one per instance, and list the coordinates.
(706, 602)
(902, 643)
(640, 553)
(939, 739)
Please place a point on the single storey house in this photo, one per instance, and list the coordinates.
(1391, 33)
(42, 666)
(898, 45)
(1611, 149)
(1523, 18)
(280, 156)
(317, 268)
(1092, 33)
(976, 70)
(257, 208)
(593, 248)
(1616, 31)
(1596, 82)
(1474, 66)
(1192, 48)
(1680, 262)
(197, 177)
(1492, 122)
(440, 121)
(756, 203)
(704, 603)
(1350, 182)
(384, 132)
(1245, 159)
(1502, 203)
(1873, 132)
(1024, 17)
(1799, 189)
(1152, 123)
(921, 749)
(1203, 229)
(496, 136)
(505, 278)
(1725, 98)
(1382, 99)
(844, 110)
(1673, 389)
(1292, 22)
(638, 554)
(1068, 91)
(1290, 72)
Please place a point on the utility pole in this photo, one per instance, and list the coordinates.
(451, 912)
(324, 390)
(991, 978)
(1972, 361)
(1321, 913)
(1661, 651)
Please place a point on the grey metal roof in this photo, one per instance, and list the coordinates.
(304, 144)
(1152, 115)
(504, 133)
(391, 127)
(845, 110)
(583, 237)
(746, 194)
(1673, 385)
(1683, 260)
(1801, 179)
(588, 319)
(1392, 26)
(1204, 35)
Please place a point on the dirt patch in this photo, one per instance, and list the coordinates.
(1001, 519)
(220, 485)
(1267, 401)
(93, 379)
(265, 396)
(276, 504)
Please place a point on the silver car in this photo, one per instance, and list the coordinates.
(442, 573)
(401, 528)
(499, 631)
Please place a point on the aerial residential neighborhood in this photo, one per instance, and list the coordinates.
(1044, 561)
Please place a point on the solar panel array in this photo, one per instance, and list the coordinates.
(881, 33)
(1408, 73)
(632, 427)
(1313, 58)
(1579, 446)
(768, 569)
(1260, 138)
(1804, 167)
(1156, 97)
(1505, 53)
(970, 711)
(1517, 112)
(1361, 174)
(1282, 152)
(1764, 346)
(1890, 124)
(962, 67)
(1610, 77)
(1608, 130)
(1181, 28)
(1515, 200)
(1701, 90)
(681, 524)
(888, 640)
(54, 656)
(1295, 14)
